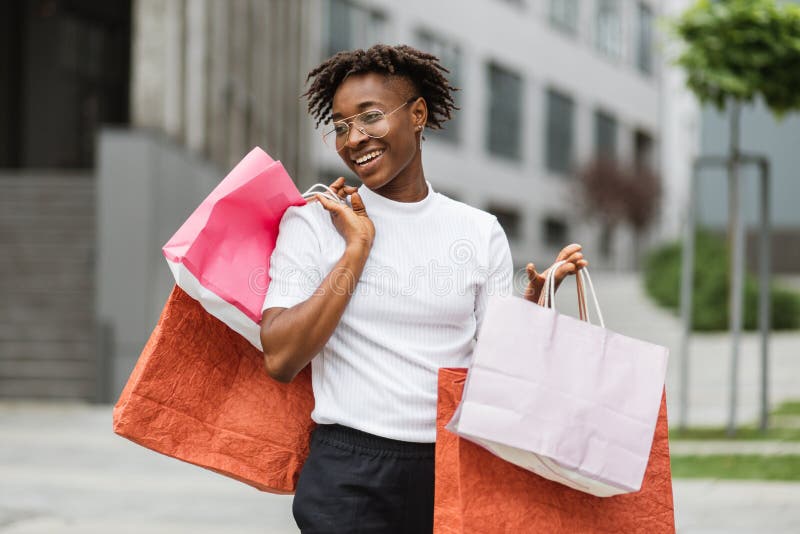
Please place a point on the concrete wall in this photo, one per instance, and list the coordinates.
(222, 76)
(147, 186)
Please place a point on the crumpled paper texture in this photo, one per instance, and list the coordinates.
(477, 492)
(200, 393)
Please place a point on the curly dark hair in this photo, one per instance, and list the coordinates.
(421, 69)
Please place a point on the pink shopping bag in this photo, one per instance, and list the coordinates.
(571, 401)
(220, 255)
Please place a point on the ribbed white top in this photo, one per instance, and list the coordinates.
(416, 308)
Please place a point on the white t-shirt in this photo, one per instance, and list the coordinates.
(417, 306)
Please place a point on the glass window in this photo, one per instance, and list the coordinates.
(559, 136)
(643, 150)
(555, 232)
(509, 218)
(504, 123)
(450, 56)
(644, 45)
(605, 135)
(351, 26)
(608, 27)
(564, 15)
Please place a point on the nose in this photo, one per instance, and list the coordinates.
(356, 136)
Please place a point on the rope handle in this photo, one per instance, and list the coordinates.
(328, 193)
(547, 299)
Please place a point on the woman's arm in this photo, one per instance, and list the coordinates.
(291, 337)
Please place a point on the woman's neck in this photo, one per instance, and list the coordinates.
(408, 186)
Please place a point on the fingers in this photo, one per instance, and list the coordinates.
(347, 190)
(358, 204)
(328, 204)
(568, 251)
(341, 189)
(337, 184)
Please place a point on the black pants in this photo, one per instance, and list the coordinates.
(354, 482)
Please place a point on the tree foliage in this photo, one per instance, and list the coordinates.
(740, 50)
(617, 194)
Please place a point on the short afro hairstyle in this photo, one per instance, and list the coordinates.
(423, 70)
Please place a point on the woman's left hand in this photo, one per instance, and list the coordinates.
(571, 254)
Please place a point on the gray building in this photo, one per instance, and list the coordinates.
(189, 86)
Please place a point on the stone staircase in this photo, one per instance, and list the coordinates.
(47, 241)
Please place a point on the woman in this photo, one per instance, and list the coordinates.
(380, 299)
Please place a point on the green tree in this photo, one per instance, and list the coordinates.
(737, 50)
(733, 52)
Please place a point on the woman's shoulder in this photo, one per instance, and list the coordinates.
(310, 212)
(465, 212)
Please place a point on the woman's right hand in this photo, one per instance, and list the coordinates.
(353, 224)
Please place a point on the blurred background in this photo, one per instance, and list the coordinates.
(117, 118)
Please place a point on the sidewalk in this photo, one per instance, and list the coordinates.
(62, 471)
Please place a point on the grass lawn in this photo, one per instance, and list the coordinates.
(787, 408)
(741, 467)
(742, 433)
(778, 431)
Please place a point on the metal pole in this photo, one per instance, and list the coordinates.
(764, 292)
(737, 267)
(687, 286)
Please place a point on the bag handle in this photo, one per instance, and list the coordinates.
(328, 193)
(549, 292)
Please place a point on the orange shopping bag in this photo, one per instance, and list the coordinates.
(477, 492)
(200, 393)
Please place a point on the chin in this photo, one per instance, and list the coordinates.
(373, 180)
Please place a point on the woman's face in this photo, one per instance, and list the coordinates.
(378, 161)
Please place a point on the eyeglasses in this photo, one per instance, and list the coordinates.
(372, 123)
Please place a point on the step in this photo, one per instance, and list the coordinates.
(49, 331)
(39, 388)
(66, 280)
(79, 315)
(52, 252)
(37, 349)
(37, 219)
(79, 285)
(47, 369)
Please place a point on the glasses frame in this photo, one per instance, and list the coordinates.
(351, 124)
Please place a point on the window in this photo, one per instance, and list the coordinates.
(559, 136)
(605, 135)
(450, 56)
(509, 218)
(504, 122)
(564, 15)
(555, 232)
(643, 150)
(644, 45)
(350, 26)
(608, 27)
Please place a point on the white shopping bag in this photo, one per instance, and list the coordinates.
(573, 402)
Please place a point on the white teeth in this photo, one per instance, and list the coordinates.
(366, 157)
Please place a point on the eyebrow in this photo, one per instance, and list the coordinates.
(369, 104)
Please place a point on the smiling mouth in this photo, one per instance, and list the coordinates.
(366, 158)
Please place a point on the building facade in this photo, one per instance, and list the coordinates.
(546, 87)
